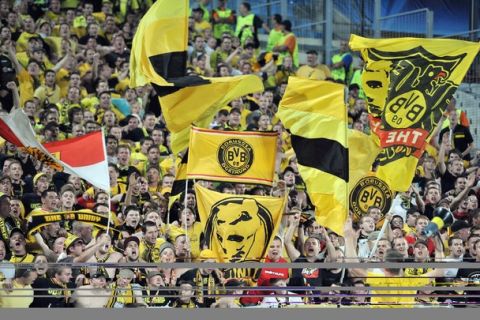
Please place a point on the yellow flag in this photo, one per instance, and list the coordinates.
(315, 114)
(159, 56)
(238, 228)
(362, 151)
(409, 82)
(198, 105)
(242, 157)
(160, 44)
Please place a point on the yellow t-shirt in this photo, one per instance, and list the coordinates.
(154, 254)
(46, 93)
(26, 86)
(393, 300)
(16, 299)
(321, 72)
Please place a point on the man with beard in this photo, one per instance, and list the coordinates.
(93, 295)
(131, 254)
(104, 255)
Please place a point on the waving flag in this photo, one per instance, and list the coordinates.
(159, 56)
(315, 114)
(409, 83)
(83, 156)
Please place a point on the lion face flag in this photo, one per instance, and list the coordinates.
(238, 227)
(409, 83)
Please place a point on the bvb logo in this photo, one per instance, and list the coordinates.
(235, 156)
(241, 229)
(370, 191)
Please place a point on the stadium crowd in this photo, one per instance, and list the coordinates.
(66, 64)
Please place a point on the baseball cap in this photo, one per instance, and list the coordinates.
(16, 230)
(38, 176)
(98, 274)
(130, 239)
(288, 168)
(164, 246)
(126, 273)
(71, 240)
(153, 274)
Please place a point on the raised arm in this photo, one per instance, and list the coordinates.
(292, 252)
(351, 255)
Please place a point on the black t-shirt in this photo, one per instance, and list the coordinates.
(134, 135)
(473, 276)
(31, 201)
(461, 138)
(330, 277)
(448, 181)
(52, 295)
(302, 277)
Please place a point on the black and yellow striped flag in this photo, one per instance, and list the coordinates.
(409, 83)
(315, 114)
(159, 56)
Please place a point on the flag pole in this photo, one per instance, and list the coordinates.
(107, 191)
(185, 217)
(347, 193)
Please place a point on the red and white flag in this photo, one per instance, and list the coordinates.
(83, 156)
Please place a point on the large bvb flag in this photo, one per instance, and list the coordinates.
(238, 228)
(159, 56)
(408, 83)
(315, 114)
(243, 157)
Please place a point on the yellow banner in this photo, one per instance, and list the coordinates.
(409, 82)
(238, 228)
(243, 157)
